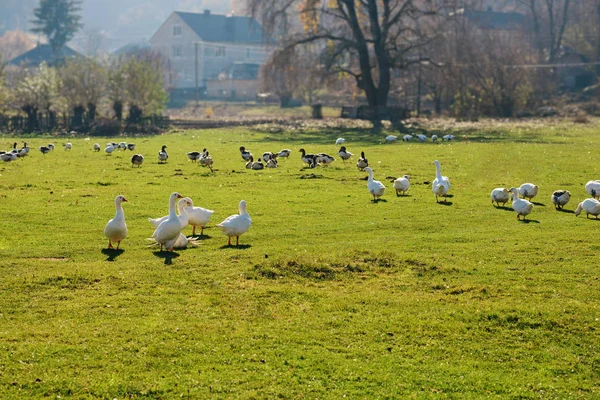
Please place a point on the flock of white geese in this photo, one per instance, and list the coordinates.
(168, 229)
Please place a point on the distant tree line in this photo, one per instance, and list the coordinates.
(123, 90)
(463, 57)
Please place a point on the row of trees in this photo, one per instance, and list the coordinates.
(82, 87)
(472, 63)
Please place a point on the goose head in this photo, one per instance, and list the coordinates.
(302, 151)
(242, 149)
(163, 148)
(120, 199)
(514, 192)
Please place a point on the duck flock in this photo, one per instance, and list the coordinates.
(168, 229)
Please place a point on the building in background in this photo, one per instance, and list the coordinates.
(201, 47)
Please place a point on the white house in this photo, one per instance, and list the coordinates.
(200, 46)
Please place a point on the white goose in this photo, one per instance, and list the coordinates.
(236, 224)
(116, 230)
(528, 191)
(402, 184)
(68, 146)
(590, 206)
(500, 195)
(521, 206)
(182, 241)
(441, 184)
(391, 138)
(109, 149)
(340, 141)
(560, 198)
(183, 216)
(197, 216)
(376, 188)
(168, 231)
(593, 188)
(96, 146)
(407, 138)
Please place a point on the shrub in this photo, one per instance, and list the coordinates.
(106, 127)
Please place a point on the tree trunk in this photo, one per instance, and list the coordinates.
(118, 109)
(78, 113)
(91, 113)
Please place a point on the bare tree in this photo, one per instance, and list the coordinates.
(549, 19)
(381, 35)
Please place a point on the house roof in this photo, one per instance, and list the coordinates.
(43, 53)
(223, 28)
(495, 20)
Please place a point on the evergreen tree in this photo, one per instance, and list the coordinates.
(58, 20)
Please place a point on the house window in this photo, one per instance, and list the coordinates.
(220, 52)
(176, 51)
(176, 30)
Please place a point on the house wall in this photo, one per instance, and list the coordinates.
(212, 58)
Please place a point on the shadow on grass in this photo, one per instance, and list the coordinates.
(167, 255)
(403, 195)
(505, 208)
(112, 253)
(529, 221)
(538, 204)
(200, 237)
(379, 200)
(562, 210)
(238, 247)
(445, 203)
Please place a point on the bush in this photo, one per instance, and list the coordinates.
(106, 127)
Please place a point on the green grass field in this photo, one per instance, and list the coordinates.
(329, 295)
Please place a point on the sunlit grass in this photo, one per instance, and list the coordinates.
(329, 295)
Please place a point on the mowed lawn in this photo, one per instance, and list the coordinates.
(329, 295)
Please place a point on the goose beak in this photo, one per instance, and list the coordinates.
(124, 199)
(179, 196)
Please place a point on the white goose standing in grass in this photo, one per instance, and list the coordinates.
(441, 184)
(167, 233)
(528, 191)
(237, 224)
(376, 188)
(162, 155)
(590, 206)
(500, 195)
(560, 198)
(197, 216)
(68, 146)
(109, 149)
(340, 140)
(116, 229)
(97, 147)
(402, 184)
(521, 206)
(593, 188)
(391, 138)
